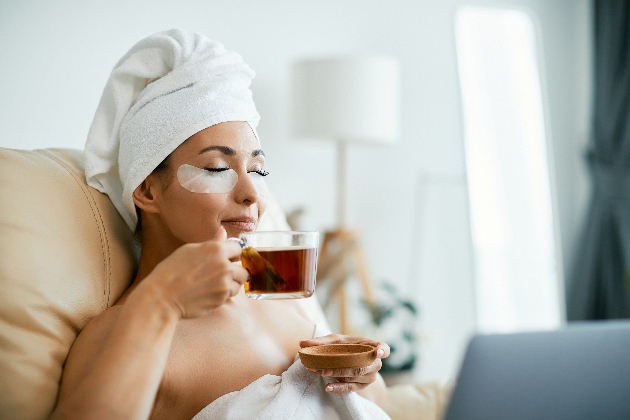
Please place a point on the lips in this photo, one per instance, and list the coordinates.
(245, 224)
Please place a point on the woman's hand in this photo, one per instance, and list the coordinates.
(354, 379)
(199, 277)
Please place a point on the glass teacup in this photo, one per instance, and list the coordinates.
(282, 265)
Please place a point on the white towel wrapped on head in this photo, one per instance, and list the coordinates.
(168, 87)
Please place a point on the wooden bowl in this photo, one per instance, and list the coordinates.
(337, 356)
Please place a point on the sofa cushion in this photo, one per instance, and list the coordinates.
(422, 401)
(65, 256)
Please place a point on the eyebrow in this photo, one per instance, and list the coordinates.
(229, 151)
(223, 149)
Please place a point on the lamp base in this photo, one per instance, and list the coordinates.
(340, 257)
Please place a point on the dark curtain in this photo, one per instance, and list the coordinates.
(599, 283)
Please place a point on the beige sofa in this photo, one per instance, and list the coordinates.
(65, 256)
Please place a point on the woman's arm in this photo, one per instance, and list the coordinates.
(116, 375)
(116, 364)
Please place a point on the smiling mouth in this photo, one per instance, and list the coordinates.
(245, 224)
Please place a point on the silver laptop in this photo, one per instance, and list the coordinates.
(579, 372)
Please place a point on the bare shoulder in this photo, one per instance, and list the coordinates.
(87, 344)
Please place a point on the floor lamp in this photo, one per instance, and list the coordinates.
(347, 100)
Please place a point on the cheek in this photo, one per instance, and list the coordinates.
(195, 217)
(262, 206)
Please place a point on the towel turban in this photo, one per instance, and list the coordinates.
(168, 87)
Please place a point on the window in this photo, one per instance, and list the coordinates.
(515, 246)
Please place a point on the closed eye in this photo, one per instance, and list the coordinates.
(260, 172)
(216, 169)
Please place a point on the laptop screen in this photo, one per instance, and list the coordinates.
(581, 371)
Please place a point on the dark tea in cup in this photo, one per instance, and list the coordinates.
(281, 264)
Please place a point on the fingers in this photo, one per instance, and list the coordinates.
(382, 350)
(328, 339)
(359, 380)
(353, 379)
(361, 374)
(234, 289)
(228, 287)
(340, 387)
(239, 274)
(232, 250)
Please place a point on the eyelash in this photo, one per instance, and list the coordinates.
(260, 172)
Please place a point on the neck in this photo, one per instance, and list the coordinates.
(157, 245)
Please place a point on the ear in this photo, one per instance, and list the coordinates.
(146, 195)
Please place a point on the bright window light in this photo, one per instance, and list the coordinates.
(517, 270)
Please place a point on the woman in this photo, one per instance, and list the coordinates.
(184, 340)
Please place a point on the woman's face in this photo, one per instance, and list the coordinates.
(196, 217)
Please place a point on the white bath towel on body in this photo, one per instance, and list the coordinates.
(296, 395)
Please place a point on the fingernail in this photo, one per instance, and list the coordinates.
(329, 388)
(327, 373)
(380, 353)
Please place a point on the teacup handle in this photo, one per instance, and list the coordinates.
(239, 241)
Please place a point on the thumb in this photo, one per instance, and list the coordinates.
(220, 235)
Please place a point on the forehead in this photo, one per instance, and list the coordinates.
(237, 135)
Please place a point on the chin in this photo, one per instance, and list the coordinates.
(234, 231)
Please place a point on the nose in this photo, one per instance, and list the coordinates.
(245, 191)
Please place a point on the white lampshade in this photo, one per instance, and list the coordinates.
(348, 99)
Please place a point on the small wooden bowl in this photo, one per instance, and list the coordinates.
(337, 356)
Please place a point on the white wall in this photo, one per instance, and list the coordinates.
(409, 200)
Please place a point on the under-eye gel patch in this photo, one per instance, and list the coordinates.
(199, 180)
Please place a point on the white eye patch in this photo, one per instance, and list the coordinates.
(199, 180)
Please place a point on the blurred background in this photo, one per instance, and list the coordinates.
(471, 217)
